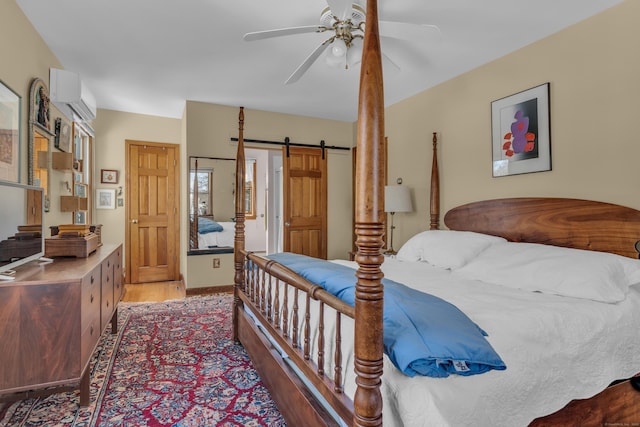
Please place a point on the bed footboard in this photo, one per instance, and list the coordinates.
(292, 328)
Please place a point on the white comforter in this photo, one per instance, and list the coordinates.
(556, 349)
(218, 239)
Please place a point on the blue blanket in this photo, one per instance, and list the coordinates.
(423, 334)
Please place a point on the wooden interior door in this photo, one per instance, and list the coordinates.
(305, 201)
(153, 196)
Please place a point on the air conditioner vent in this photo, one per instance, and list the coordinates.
(70, 96)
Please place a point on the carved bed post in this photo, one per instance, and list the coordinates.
(435, 187)
(239, 235)
(369, 228)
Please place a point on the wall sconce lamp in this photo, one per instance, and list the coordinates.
(397, 198)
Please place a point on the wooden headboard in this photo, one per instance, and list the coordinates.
(574, 223)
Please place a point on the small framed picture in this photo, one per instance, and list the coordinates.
(105, 199)
(80, 217)
(80, 190)
(108, 176)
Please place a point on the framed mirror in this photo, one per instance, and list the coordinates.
(211, 205)
(40, 136)
(250, 189)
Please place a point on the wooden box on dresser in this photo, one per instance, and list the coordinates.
(51, 317)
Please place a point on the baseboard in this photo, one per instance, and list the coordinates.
(209, 290)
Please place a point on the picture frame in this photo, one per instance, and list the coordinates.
(108, 176)
(62, 138)
(40, 105)
(10, 119)
(105, 198)
(80, 190)
(80, 217)
(521, 132)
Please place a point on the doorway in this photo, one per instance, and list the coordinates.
(264, 234)
(292, 219)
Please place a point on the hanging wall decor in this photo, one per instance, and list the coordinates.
(521, 134)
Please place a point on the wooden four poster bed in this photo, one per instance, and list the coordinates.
(322, 358)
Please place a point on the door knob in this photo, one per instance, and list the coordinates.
(134, 221)
(287, 224)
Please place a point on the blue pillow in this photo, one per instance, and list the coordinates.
(206, 225)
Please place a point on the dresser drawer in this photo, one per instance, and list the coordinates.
(89, 339)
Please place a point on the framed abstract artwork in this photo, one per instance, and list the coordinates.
(521, 132)
(10, 107)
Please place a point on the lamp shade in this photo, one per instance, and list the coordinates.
(397, 198)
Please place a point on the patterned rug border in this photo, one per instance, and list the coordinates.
(112, 357)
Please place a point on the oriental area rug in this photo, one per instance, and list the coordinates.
(170, 364)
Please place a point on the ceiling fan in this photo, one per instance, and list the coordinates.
(345, 21)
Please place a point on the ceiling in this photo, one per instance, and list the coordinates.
(150, 56)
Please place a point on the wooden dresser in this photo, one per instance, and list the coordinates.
(51, 317)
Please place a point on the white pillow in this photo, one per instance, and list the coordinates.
(446, 248)
(592, 275)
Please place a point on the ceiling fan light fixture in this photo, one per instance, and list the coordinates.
(339, 48)
(354, 54)
(334, 61)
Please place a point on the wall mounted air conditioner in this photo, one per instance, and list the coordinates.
(70, 96)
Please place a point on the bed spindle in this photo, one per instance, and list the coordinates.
(285, 312)
(269, 300)
(337, 356)
(321, 341)
(263, 297)
(295, 320)
(307, 327)
(276, 305)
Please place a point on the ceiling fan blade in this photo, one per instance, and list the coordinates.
(259, 35)
(308, 62)
(408, 31)
(341, 9)
(390, 63)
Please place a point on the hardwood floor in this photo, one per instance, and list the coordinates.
(154, 292)
(164, 291)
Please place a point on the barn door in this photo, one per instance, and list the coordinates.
(153, 232)
(305, 201)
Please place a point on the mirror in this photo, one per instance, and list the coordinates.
(250, 189)
(211, 205)
(40, 135)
